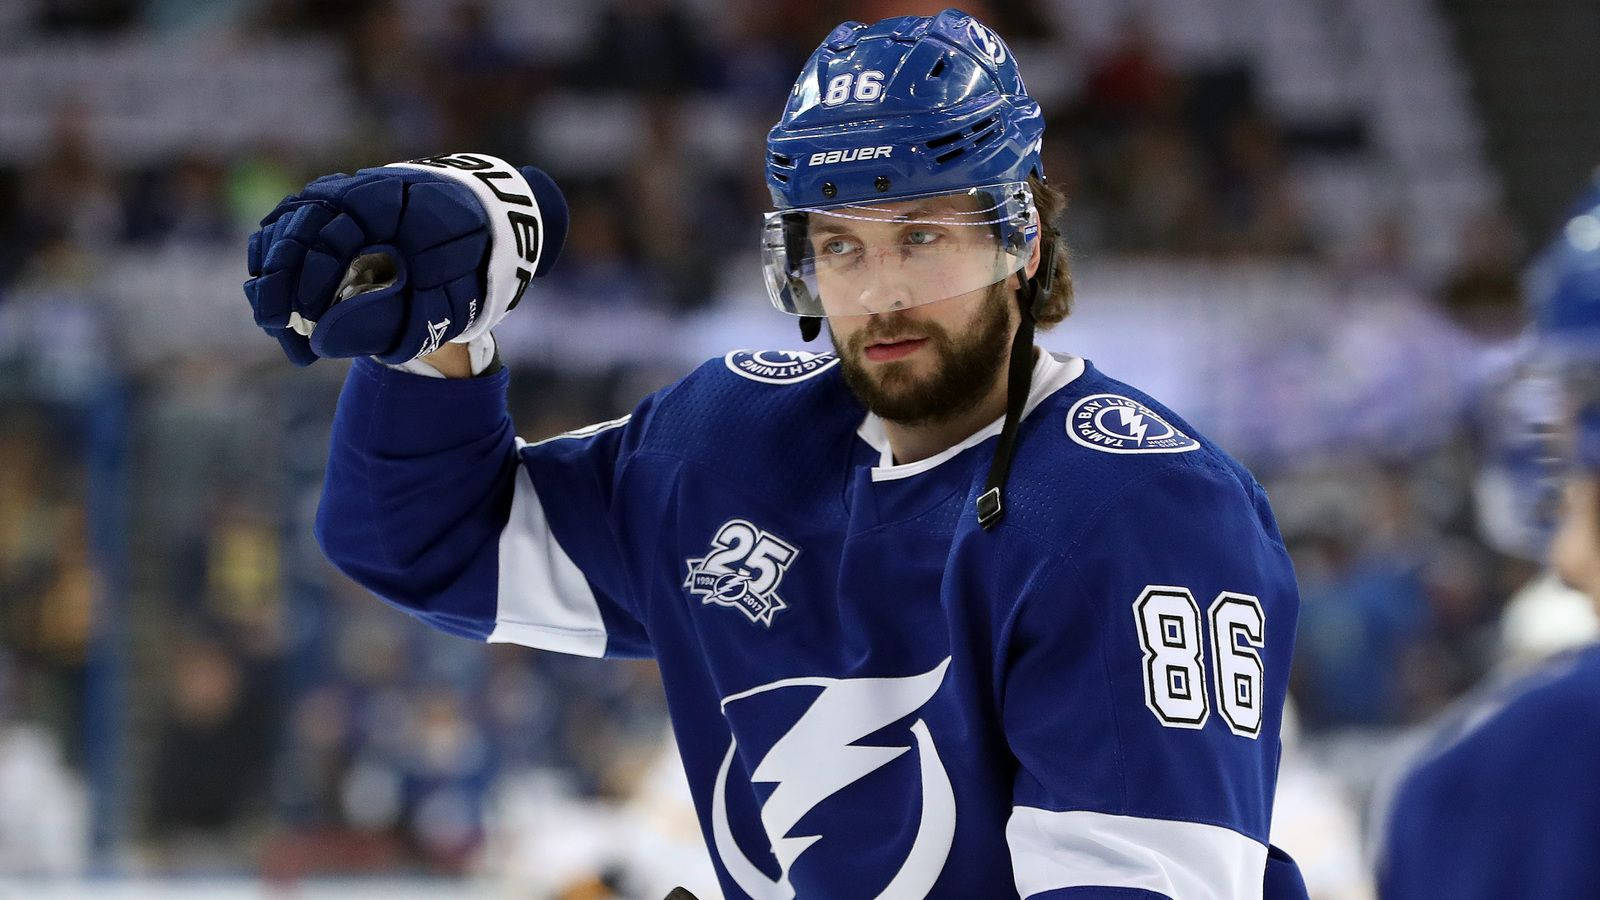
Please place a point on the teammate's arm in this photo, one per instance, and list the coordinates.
(1144, 673)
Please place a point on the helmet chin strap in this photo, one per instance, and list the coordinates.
(810, 327)
(1019, 377)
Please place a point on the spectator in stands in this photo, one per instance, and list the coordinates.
(47, 586)
(321, 16)
(1132, 82)
(1362, 609)
(68, 194)
(16, 232)
(394, 80)
(1160, 203)
(43, 809)
(480, 84)
(98, 17)
(1483, 291)
(647, 46)
(598, 267)
(764, 48)
(213, 756)
(1259, 212)
(185, 203)
(447, 773)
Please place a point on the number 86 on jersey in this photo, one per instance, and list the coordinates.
(1175, 688)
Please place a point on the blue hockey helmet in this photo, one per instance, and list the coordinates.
(1563, 288)
(909, 106)
(907, 109)
(1519, 418)
(1544, 418)
(1563, 283)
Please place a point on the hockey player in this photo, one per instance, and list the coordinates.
(1504, 802)
(939, 615)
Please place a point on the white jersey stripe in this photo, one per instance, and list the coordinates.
(544, 601)
(584, 432)
(1078, 848)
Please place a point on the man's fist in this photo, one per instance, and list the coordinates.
(394, 261)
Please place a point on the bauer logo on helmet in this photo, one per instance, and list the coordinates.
(854, 154)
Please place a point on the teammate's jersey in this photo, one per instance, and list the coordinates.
(1505, 801)
(873, 696)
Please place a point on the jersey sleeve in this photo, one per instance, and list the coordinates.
(1142, 683)
(1505, 801)
(432, 503)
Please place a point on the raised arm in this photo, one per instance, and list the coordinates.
(434, 504)
(430, 500)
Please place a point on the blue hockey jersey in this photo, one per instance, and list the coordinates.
(873, 696)
(1505, 801)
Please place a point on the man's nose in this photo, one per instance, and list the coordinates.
(886, 288)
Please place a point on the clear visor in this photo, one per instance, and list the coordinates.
(1579, 406)
(1524, 442)
(860, 259)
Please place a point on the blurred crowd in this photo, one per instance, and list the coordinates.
(1155, 160)
(277, 719)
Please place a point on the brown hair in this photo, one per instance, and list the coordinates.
(1051, 203)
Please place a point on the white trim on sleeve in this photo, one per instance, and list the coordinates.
(544, 600)
(1079, 848)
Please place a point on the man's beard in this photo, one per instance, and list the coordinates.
(964, 372)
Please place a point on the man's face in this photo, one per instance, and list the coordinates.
(927, 363)
(910, 350)
(892, 256)
(1575, 547)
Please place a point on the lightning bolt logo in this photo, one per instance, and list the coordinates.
(778, 366)
(1112, 423)
(818, 757)
(1133, 420)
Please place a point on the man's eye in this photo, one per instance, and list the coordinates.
(921, 236)
(839, 247)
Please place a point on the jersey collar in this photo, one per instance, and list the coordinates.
(1050, 374)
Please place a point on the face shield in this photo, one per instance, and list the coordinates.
(1517, 485)
(1540, 428)
(854, 259)
(1578, 398)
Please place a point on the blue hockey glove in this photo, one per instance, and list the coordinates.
(394, 261)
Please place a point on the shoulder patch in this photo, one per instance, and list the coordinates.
(1112, 423)
(779, 366)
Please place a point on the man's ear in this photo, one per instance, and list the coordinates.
(1034, 253)
(1017, 279)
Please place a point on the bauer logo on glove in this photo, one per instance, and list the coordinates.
(394, 261)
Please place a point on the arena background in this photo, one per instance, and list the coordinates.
(1299, 222)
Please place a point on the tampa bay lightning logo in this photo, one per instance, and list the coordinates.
(987, 42)
(779, 366)
(825, 753)
(1113, 423)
